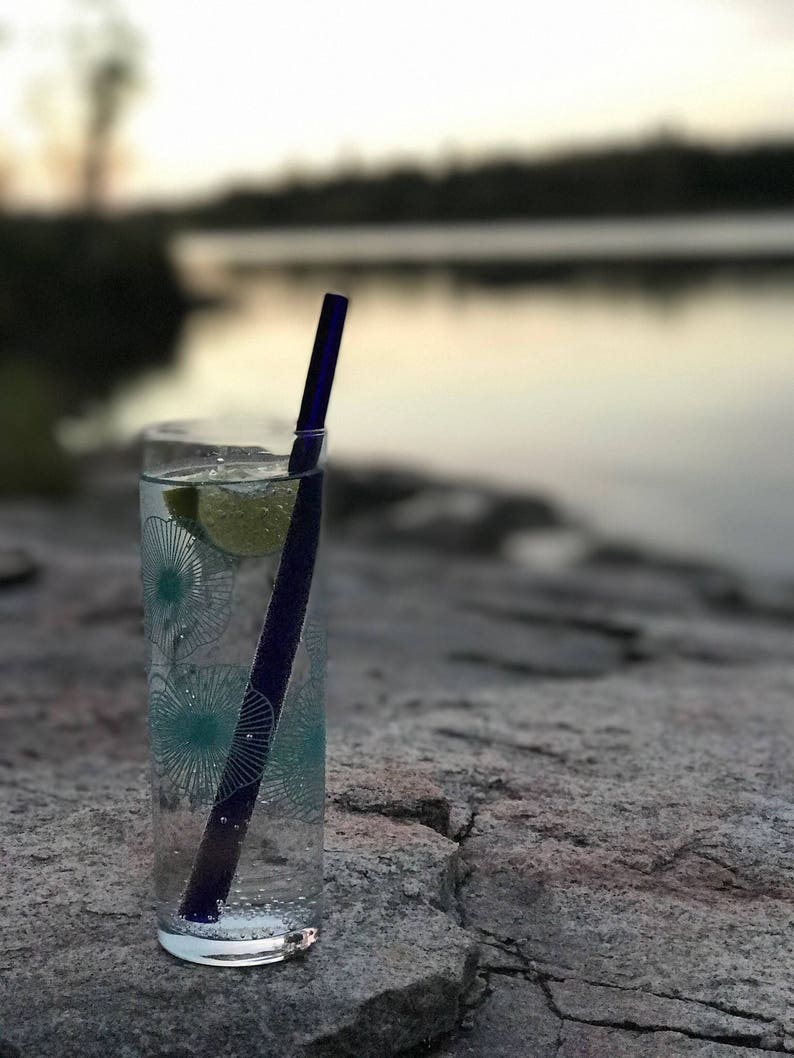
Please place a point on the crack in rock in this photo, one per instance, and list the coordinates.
(465, 872)
(607, 1041)
(642, 1012)
(394, 790)
(490, 740)
(723, 1008)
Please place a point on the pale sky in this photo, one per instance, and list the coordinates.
(246, 89)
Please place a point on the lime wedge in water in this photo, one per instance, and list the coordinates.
(182, 502)
(247, 521)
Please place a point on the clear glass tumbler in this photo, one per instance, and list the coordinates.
(236, 701)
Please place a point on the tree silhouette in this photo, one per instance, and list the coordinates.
(5, 165)
(107, 59)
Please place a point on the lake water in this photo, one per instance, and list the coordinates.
(661, 412)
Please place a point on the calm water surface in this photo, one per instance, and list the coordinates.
(665, 416)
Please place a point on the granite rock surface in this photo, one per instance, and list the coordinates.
(559, 820)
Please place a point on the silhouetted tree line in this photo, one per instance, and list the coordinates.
(663, 176)
(84, 303)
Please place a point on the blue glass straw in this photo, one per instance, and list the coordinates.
(222, 841)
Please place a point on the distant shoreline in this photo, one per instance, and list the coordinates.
(663, 176)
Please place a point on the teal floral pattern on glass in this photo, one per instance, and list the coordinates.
(315, 638)
(295, 771)
(196, 736)
(187, 588)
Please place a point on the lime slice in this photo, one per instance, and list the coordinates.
(182, 502)
(247, 521)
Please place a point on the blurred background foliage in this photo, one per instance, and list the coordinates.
(664, 175)
(85, 299)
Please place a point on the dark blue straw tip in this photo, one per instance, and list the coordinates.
(320, 376)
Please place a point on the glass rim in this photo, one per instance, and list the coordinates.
(182, 446)
(238, 431)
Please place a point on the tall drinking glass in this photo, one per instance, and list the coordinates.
(238, 776)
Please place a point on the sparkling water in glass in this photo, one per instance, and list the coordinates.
(216, 503)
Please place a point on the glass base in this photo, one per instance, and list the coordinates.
(237, 952)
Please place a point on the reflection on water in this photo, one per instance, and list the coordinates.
(667, 419)
(713, 237)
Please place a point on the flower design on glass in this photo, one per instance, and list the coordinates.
(316, 640)
(295, 771)
(187, 588)
(198, 743)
